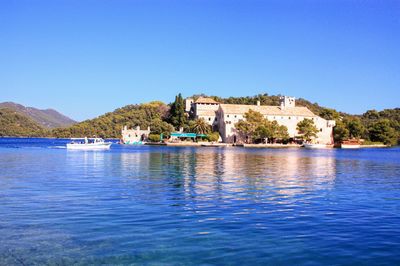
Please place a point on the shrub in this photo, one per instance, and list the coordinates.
(154, 137)
(214, 136)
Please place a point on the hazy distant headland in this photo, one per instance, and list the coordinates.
(17, 120)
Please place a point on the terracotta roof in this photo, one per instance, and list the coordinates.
(205, 100)
(205, 113)
(266, 110)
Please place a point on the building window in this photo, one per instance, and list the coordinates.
(320, 129)
(235, 116)
(290, 117)
(209, 119)
(227, 115)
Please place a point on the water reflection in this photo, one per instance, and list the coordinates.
(146, 205)
(200, 172)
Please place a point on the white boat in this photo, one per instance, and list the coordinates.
(351, 144)
(88, 144)
(317, 146)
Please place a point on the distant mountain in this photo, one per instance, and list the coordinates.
(48, 118)
(12, 123)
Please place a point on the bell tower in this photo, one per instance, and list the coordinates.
(286, 101)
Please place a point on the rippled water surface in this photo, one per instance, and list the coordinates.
(193, 206)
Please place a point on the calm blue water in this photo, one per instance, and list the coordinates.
(204, 206)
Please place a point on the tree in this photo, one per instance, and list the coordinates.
(177, 112)
(213, 136)
(158, 127)
(355, 127)
(248, 127)
(307, 129)
(154, 137)
(199, 126)
(329, 114)
(340, 132)
(271, 130)
(282, 132)
(371, 115)
(382, 131)
(256, 127)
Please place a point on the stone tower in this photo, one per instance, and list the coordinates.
(286, 101)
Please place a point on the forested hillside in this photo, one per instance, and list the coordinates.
(110, 124)
(48, 118)
(14, 124)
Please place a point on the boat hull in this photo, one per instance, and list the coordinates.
(317, 146)
(89, 146)
(350, 146)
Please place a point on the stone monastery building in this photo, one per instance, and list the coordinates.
(222, 117)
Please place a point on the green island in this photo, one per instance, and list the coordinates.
(374, 127)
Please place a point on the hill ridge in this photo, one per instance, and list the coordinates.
(47, 118)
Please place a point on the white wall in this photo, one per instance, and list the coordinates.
(227, 127)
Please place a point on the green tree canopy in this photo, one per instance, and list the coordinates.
(213, 136)
(177, 112)
(355, 127)
(158, 127)
(382, 131)
(307, 129)
(256, 127)
(248, 126)
(199, 126)
(340, 131)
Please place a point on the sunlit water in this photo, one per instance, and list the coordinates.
(197, 206)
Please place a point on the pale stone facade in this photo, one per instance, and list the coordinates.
(223, 117)
(205, 108)
(134, 136)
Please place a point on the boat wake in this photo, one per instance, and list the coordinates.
(56, 147)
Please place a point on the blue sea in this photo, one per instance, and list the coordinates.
(154, 205)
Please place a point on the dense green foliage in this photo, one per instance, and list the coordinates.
(307, 129)
(154, 138)
(213, 136)
(382, 131)
(199, 126)
(256, 128)
(272, 131)
(109, 125)
(14, 124)
(178, 116)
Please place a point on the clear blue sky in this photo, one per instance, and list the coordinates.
(85, 58)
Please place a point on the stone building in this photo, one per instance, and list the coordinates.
(205, 108)
(223, 117)
(134, 136)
